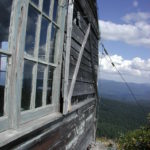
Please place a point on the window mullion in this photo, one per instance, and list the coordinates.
(49, 33)
(45, 86)
(5, 52)
(40, 5)
(6, 97)
(33, 94)
(58, 52)
(36, 51)
(51, 9)
(47, 54)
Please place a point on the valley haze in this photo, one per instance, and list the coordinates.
(110, 89)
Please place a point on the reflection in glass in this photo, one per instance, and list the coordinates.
(49, 86)
(43, 35)
(36, 2)
(39, 85)
(27, 85)
(5, 11)
(3, 68)
(46, 6)
(55, 10)
(31, 30)
(52, 43)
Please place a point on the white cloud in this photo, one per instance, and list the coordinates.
(136, 69)
(136, 17)
(135, 3)
(137, 34)
(135, 30)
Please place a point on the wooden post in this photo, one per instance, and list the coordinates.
(77, 67)
(67, 56)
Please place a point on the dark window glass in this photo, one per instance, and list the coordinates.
(5, 11)
(49, 87)
(52, 43)
(39, 85)
(27, 85)
(43, 35)
(31, 30)
(3, 67)
(36, 2)
(55, 10)
(46, 6)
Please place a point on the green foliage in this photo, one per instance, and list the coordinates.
(135, 140)
(148, 118)
(118, 117)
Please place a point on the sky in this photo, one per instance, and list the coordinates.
(125, 33)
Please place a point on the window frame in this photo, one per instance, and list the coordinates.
(13, 88)
(4, 120)
(34, 113)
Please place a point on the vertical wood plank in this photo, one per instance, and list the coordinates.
(77, 67)
(58, 53)
(95, 85)
(67, 56)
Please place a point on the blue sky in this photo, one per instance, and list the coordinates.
(125, 32)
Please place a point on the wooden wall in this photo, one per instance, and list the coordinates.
(85, 86)
(75, 130)
(70, 132)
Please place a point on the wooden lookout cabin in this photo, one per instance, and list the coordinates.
(48, 74)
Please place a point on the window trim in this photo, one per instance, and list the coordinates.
(37, 113)
(54, 107)
(17, 32)
(5, 119)
(26, 128)
(36, 59)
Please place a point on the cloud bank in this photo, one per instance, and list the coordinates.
(135, 70)
(135, 30)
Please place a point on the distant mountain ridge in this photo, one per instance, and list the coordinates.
(118, 90)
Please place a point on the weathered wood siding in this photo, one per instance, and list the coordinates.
(76, 129)
(85, 86)
(73, 131)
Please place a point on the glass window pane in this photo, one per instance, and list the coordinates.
(36, 2)
(52, 43)
(46, 6)
(43, 36)
(49, 87)
(55, 10)
(27, 85)
(31, 30)
(39, 85)
(3, 68)
(5, 11)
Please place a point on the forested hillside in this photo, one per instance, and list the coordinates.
(119, 91)
(117, 117)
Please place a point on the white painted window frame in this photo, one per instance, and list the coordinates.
(13, 117)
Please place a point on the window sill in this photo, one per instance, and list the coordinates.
(11, 135)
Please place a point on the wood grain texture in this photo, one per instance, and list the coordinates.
(77, 68)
